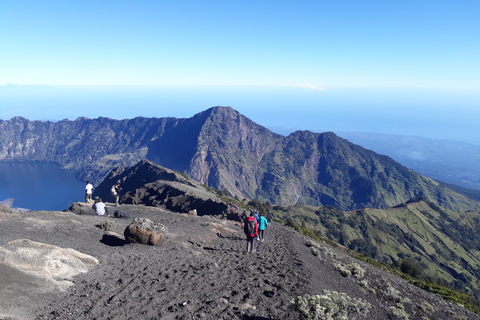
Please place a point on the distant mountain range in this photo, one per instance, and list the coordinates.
(223, 149)
(448, 161)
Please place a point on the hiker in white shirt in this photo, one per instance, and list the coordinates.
(100, 208)
(88, 192)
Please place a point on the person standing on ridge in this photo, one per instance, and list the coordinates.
(116, 192)
(262, 225)
(88, 192)
(244, 216)
(269, 217)
(250, 227)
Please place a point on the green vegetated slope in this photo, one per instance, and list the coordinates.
(431, 243)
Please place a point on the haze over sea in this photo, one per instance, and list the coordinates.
(436, 114)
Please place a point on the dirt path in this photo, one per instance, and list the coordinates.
(218, 281)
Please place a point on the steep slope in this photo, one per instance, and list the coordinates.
(306, 168)
(230, 149)
(223, 149)
(429, 242)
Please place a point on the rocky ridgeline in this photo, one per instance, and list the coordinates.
(148, 184)
(223, 149)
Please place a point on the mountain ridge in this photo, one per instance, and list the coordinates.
(225, 150)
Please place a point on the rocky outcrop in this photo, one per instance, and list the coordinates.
(145, 231)
(149, 184)
(82, 208)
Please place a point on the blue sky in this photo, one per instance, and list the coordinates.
(376, 64)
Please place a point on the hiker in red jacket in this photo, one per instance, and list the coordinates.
(250, 227)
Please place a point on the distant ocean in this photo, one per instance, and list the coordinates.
(429, 113)
(39, 186)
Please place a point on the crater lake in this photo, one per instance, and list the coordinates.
(39, 186)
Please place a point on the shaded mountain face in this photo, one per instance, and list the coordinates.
(223, 149)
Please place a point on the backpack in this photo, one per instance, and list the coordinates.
(113, 191)
(121, 215)
(250, 227)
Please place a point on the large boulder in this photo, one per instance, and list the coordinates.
(145, 231)
(82, 208)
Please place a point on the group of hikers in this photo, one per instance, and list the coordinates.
(99, 205)
(254, 227)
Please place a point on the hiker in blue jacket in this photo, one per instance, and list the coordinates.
(262, 225)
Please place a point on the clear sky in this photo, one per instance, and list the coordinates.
(365, 59)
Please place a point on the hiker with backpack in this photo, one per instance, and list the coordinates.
(269, 217)
(116, 192)
(244, 216)
(250, 227)
(262, 225)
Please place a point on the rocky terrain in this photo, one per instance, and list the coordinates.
(437, 245)
(202, 272)
(147, 183)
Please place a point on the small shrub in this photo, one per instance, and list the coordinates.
(330, 305)
(310, 243)
(364, 284)
(402, 301)
(342, 269)
(427, 307)
(108, 225)
(315, 251)
(352, 268)
(392, 293)
(399, 313)
(356, 270)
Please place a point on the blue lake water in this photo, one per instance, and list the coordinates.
(39, 186)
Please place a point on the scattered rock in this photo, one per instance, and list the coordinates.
(145, 231)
